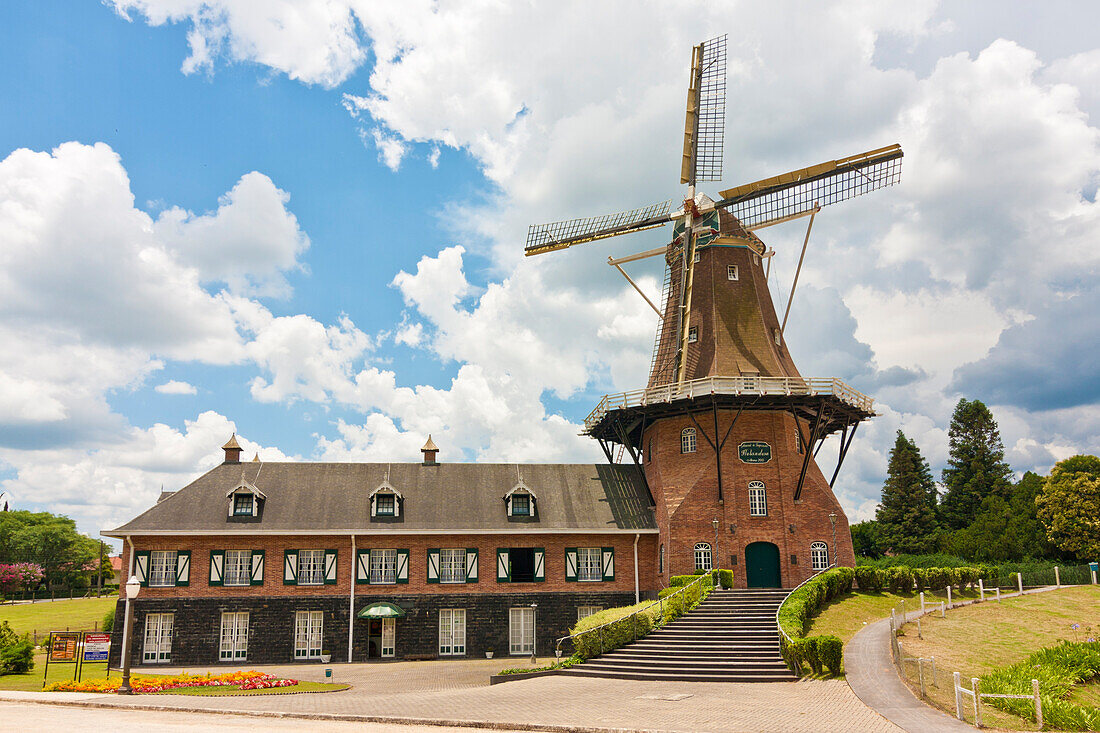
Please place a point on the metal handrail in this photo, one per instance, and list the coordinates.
(787, 386)
(660, 601)
(787, 636)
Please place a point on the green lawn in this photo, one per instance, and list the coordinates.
(32, 682)
(81, 614)
(846, 615)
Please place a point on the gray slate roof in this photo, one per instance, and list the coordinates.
(448, 496)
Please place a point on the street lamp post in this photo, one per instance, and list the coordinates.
(133, 586)
(534, 633)
(714, 559)
(832, 520)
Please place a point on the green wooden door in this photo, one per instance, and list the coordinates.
(762, 565)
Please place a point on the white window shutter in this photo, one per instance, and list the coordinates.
(540, 565)
(217, 567)
(571, 563)
(362, 567)
(433, 566)
(290, 567)
(402, 566)
(373, 509)
(257, 576)
(471, 565)
(504, 566)
(330, 567)
(609, 563)
(183, 567)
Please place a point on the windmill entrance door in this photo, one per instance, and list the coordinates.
(762, 565)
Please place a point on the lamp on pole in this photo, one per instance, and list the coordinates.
(133, 587)
(534, 633)
(832, 520)
(714, 558)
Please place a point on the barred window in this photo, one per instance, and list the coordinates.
(452, 566)
(687, 440)
(162, 568)
(819, 556)
(311, 567)
(702, 556)
(588, 563)
(383, 566)
(758, 500)
(693, 334)
(238, 567)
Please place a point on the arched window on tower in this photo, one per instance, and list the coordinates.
(702, 556)
(758, 499)
(819, 556)
(687, 440)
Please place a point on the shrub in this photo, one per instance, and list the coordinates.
(726, 577)
(677, 580)
(830, 650)
(17, 658)
(920, 578)
(937, 578)
(622, 628)
(109, 620)
(900, 579)
(870, 578)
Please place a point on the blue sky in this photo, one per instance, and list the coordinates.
(304, 222)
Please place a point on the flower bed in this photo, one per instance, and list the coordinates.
(250, 680)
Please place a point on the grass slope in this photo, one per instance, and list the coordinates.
(846, 615)
(81, 614)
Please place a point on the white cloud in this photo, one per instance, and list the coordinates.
(173, 386)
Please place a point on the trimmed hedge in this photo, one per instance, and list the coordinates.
(801, 605)
(902, 578)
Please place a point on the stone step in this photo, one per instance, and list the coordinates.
(579, 671)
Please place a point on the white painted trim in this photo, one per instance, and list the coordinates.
(372, 532)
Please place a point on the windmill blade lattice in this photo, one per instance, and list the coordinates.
(561, 234)
(711, 129)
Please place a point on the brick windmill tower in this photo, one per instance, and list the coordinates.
(727, 430)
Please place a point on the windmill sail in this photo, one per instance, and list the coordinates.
(786, 196)
(705, 121)
(561, 234)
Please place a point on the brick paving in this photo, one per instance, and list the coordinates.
(457, 693)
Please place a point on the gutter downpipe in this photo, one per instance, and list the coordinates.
(637, 597)
(122, 587)
(351, 600)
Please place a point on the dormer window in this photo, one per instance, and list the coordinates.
(385, 501)
(520, 502)
(243, 505)
(244, 500)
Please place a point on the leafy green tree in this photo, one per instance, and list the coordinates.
(1069, 506)
(66, 556)
(1006, 529)
(907, 514)
(866, 539)
(976, 467)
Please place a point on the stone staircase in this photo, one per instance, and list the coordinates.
(729, 637)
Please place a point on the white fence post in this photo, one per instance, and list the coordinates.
(981, 588)
(998, 593)
(920, 634)
(958, 698)
(922, 601)
(920, 675)
(1020, 582)
(934, 672)
(1057, 578)
(977, 702)
(1093, 577)
(1038, 703)
(949, 596)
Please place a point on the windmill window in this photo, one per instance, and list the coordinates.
(696, 257)
(242, 505)
(693, 334)
(819, 556)
(758, 499)
(731, 272)
(702, 556)
(687, 440)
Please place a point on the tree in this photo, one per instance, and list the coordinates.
(866, 539)
(907, 514)
(1006, 529)
(1069, 506)
(66, 556)
(975, 467)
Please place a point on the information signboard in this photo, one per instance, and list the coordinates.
(96, 647)
(63, 646)
(754, 451)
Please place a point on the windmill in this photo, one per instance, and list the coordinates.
(721, 369)
(697, 220)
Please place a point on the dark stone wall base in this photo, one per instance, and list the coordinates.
(197, 624)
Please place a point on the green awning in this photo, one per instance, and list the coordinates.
(381, 610)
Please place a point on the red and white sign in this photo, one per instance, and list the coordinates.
(96, 647)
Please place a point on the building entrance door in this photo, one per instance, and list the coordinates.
(381, 637)
(762, 565)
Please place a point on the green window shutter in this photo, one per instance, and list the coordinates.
(290, 567)
(402, 566)
(257, 576)
(608, 563)
(540, 564)
(330, 567)
(504, 566)
(141, 567)
(571, 563)
(433, 566)
(471, 564)
(217, 567)
(183, 567)
(362, 567)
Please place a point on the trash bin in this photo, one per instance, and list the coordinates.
(1094, 567)
(328, 674)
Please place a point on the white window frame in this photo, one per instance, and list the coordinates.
(391, 498)
(237, 567)
(696, 257)
(693, 334)
(237, 512)
(819, 555)
(162, 568)
(452, 632)
(521, 630)
(383, 567)
(452, 565)
(758, 499)
(586, 611)
(688, 442)
(732, 272)
(521, 495)
(157, 648)
(309, 634)
(589, 563)
(234, 636)
(311, 567)
(704, 560)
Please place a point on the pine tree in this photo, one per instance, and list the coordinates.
(976, 468)
(906, 516)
